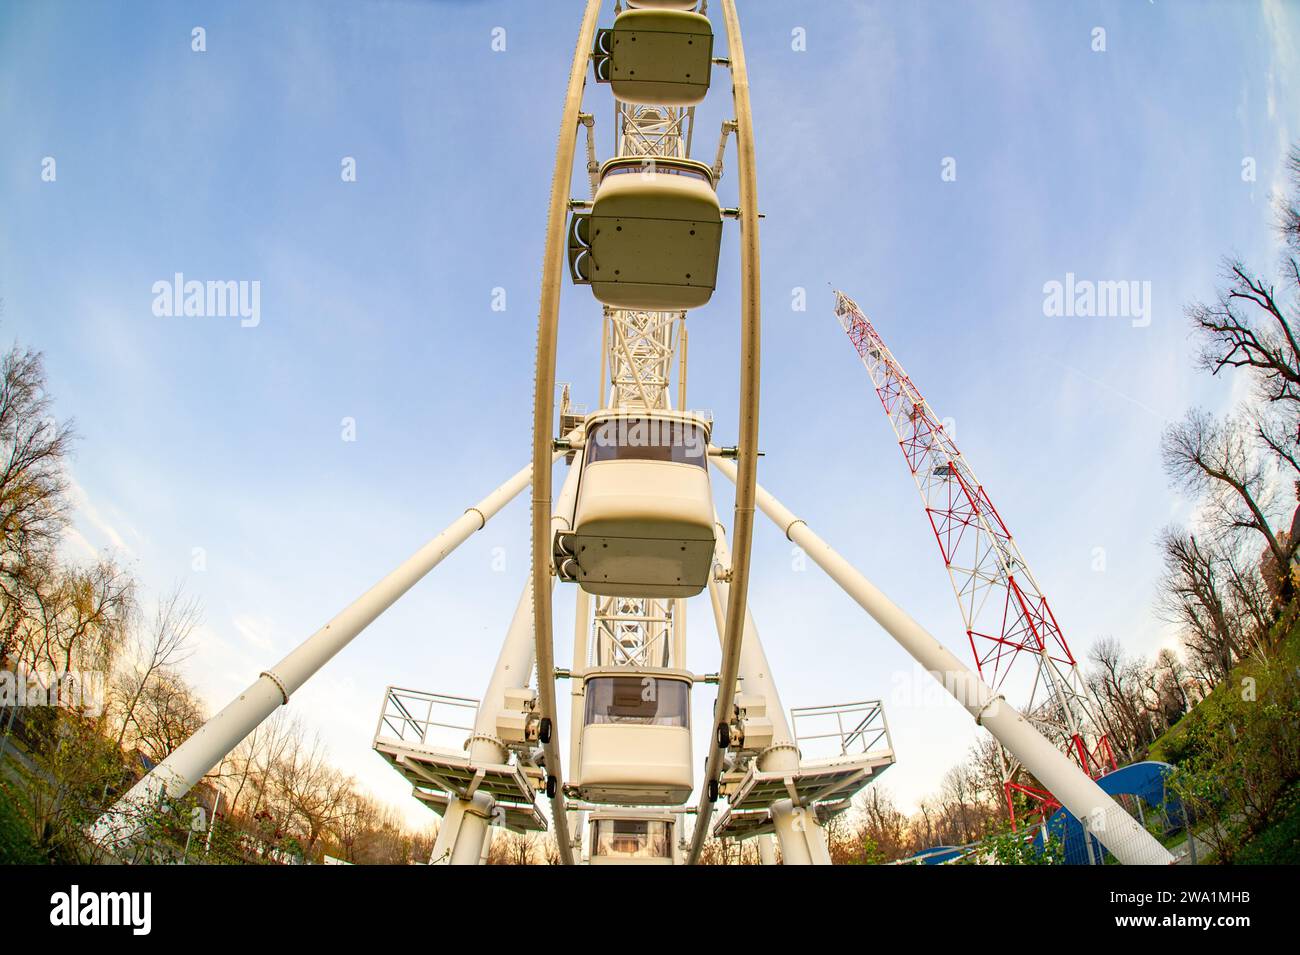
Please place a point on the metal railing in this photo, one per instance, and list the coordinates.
(429, 719)
(841, 729)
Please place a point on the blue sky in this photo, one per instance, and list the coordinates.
(376, 305)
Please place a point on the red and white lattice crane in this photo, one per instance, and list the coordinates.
(1013, 634)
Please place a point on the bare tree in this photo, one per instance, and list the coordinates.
(162, 647)
(1289, 218)
(1171, 685)
(1249, 328)
(248, 766)
(80, 619)
(361, 817)
(1215, 458)
(33, 486)
(552, 852)
(310, 792)
(924, 830)
(986, 761)
(167, 713)
(381, 837)
(960, 804)
(1118, 685)
(512, 848)
(1192, 597)
(883, 823)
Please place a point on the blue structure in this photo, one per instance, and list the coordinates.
(1144, 781)
(936, 855)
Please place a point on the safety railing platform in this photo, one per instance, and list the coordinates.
(418, 734)
(733, 824)
(842, 749)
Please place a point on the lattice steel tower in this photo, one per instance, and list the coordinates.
(1014, 636)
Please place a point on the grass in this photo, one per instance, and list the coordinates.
(1173, 746)
(16, 845)
(1279, 844)
(1226, 748)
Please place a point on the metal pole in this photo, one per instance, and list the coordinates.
(548, 320)
(214, 740)
(602, 399)
(1115, 828)
(682, 342)
(747, 455)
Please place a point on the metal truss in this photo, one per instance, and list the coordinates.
(655, 130)
(1006, 614)
(633, 632)
(642, 350)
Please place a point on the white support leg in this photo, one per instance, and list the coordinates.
(819, 843)
(1117, 830)
(476, 817)
(803, 840)
(790, 822)
(513, 670)
(756, 678)
(462, 837)
(190, 761)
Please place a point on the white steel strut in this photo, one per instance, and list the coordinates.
(214, 740)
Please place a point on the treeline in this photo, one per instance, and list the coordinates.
(93, 693)
(1230, 579)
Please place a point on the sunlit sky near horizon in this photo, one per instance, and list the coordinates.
(376, 305)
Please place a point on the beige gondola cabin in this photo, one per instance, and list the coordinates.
(632, 837)
(663, 4)
(652, 237)
(659, 56)
(635, 747)
(643, 522)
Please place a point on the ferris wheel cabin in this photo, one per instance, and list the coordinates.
(635, 746)
(660, 56)
(643, 523)
(632, 837)
(663, 4)
(652, 237)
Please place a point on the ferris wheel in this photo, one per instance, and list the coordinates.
(632, 534)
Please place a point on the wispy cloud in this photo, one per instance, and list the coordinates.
(87, 511)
